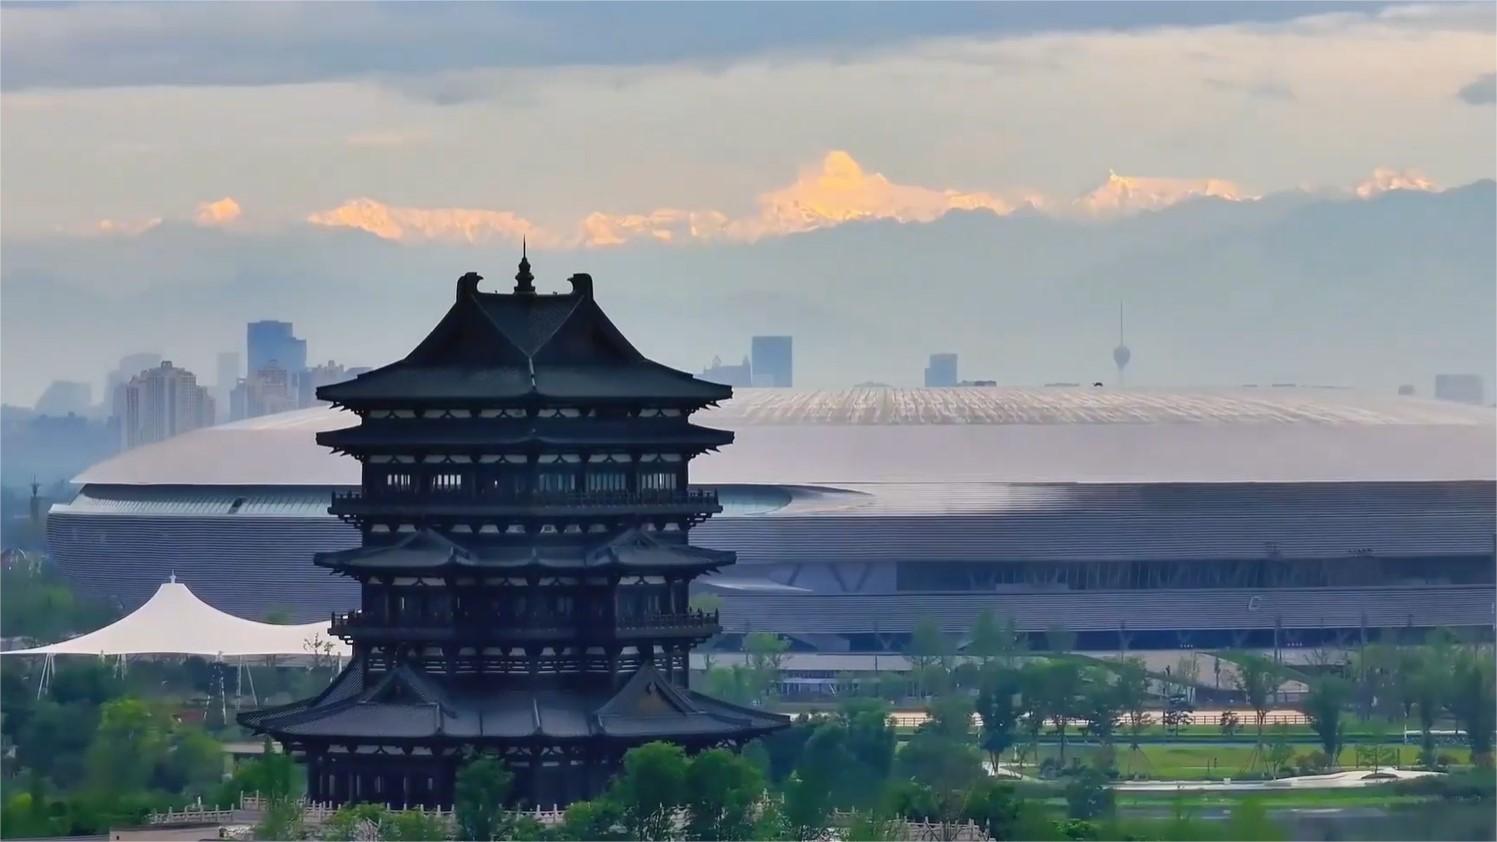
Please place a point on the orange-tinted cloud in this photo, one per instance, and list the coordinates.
(465, 225)
(220, 212)
(839, 190)
(1122, 194)
(834, 191)
(1384, 179)
(123, 228)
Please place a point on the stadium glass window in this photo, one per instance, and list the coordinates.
(657, 481)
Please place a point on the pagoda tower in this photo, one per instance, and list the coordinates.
(524, 564)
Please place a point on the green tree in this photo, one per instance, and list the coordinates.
(193, 764)
(942, 757)
(1133, 697)
(1280, 752)
(1429, 688)
(650, 786)
(997, 712)
(994, 640)
(1473, 701)
(930, 653)
(807, 807)
(128, 747)
(1058, 694)
(870, 744)
(1088, 796)
(479, 792)
(996, 808)
(413, 826)
(733, 683)
(1060, 640)
(1324, 706)
(721, 791)
(766, 657)
(874, 826)
(594, 820)
(351, 821)
(1256, 678)
(1100, 704)
(280, 820)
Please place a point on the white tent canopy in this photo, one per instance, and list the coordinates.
(175, 622)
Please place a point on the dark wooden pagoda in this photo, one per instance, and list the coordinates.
(524, 564)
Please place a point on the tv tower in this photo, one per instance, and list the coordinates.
(1121, 355)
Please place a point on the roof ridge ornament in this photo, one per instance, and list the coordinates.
(524, 281)
(467, 285)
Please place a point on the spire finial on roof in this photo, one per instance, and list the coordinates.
(524, 281)
(172, 578)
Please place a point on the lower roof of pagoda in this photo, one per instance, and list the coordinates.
(426, 551)
(406, 704)
(485, 433)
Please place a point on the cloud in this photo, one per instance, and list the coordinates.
(836, 191)
(1480, 91)
(1122, 194)
(1271, 89)
(217, 213)
(839, 190)
(121, 227)
(110, 45)
(1384, 179)
(461, 225)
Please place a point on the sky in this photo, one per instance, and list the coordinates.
(590, 127)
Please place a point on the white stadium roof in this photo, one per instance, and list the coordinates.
(887, 435)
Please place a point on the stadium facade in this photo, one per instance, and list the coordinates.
(1244, 517)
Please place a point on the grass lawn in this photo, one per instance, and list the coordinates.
(1185, 762)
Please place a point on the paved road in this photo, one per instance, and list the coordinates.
(1337, 780)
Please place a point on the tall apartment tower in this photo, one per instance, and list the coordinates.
(1463, 388)
(941, 371)
(772, 361)
(269, 342)
(163, 402)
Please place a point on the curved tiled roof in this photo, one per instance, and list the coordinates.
(952, 435)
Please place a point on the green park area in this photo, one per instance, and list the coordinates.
(105, 746)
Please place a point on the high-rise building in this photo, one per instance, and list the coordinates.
(1465, 388)
(941, 371)
(729, 375)
(115, 381)
(264, 392)
(228, 369)
(554, 560)
(65, 397)
(268, 342)
(316, 377)
(772, 361)
(163, 402)
(228, 378)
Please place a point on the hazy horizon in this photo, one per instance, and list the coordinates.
(1275, 193)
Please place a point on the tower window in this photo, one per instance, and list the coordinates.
(447, 483)
(555, 481)
(398, 482)
(605, 480)
(657, 481)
